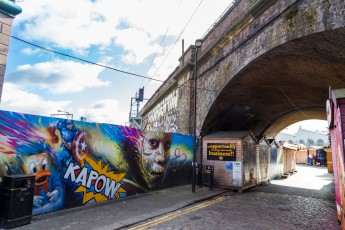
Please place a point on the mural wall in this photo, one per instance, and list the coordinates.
(78, 163)
(335, 116)
(163, 117)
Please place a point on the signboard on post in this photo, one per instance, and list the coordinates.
(221, 151)
(237, 174)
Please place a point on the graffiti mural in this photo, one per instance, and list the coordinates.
(163, 117)
(78, 163)
(335, 110)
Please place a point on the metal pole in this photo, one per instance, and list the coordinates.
(182, 52)
(194, 126)
(130, 111)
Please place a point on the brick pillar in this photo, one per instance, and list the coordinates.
(8, 10)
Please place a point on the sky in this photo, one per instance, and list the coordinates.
(135, 36)
(140, 37)
(311, 125)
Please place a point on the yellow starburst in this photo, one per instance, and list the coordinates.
(97, 166)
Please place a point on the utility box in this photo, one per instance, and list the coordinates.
(235, 157)
(16, 198)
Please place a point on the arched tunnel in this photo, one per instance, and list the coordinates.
(287, 84)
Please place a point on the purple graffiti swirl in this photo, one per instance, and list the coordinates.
(179, 155)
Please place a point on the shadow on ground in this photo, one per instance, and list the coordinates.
(306, 175)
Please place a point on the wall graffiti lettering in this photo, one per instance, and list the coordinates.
(77, 163)
(163, 118)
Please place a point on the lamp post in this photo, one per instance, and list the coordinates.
(68, 115)
(198, 44)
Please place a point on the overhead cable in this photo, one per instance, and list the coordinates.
(84, 60)
(101, 65)
(177, 39)
(160, 45)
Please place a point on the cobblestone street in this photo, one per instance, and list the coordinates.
(280, 205)
(259, 210)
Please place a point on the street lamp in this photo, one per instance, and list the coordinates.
(68, 115)
(198, 44)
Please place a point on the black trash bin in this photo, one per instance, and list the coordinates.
(16, 197)
(198, 175)
(208, 176)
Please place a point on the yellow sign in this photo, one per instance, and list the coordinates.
(221, 151)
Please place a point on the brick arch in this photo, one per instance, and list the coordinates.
(261, 67)
(288, 83)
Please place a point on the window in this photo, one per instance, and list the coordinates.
(310, 142)
(290, 142)
(301, 141)
(319, 142)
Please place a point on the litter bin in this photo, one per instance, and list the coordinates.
(208, 176)
(198, 175)
(16, 198)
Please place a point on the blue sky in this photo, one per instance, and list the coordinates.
(142, 37)
(126, 35)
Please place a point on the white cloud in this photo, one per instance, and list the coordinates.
(15, 99)
(105, 59)
(137, 43)
(104, 111)
(108, 30)
(136, 26)
(29, 51)
(68, 24)
(311, 125)
(58, 76)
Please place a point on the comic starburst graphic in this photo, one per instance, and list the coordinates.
(102, 171)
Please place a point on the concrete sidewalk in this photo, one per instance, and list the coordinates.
(116, 214)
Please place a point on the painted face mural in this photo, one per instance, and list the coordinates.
(155, 154)
(77, 163)
(38, 165)
(48, 195)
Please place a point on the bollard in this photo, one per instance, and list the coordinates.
(208, 176)
(198, 175)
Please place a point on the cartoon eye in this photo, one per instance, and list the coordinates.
(45, 164)
(32, 168)
(167, 145)
(153, 143)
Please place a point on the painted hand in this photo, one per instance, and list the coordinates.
(38, 201)
(54, 195)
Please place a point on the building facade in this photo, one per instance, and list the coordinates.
(304, 137)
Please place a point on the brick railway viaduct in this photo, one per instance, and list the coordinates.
(265, 64)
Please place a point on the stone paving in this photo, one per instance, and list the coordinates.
(301, 201)
(259, 210)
